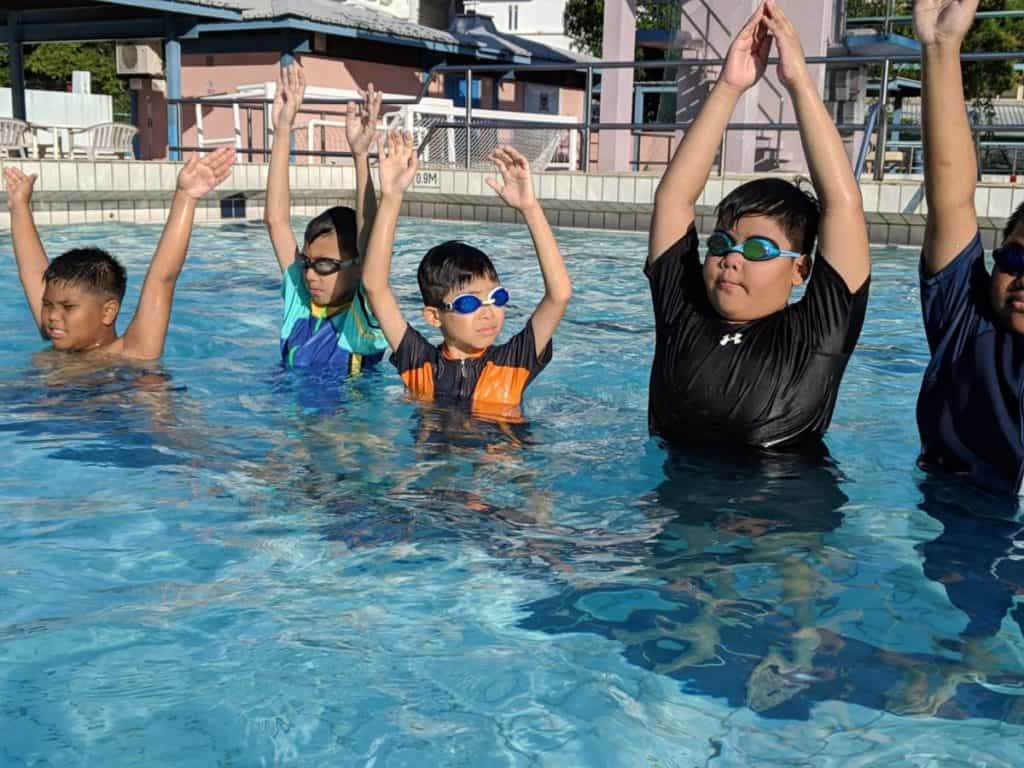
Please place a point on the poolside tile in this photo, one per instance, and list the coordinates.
(508, 215)
(120, 179)
(169, 176)
(151, 177)
(59, 213)
(49, 177)
(916, 235)
(460, 183)
(627, 190)
(899, 234)
(594, 188)
(869, 196)
(565, 218)
(104, 176)
(610, 189)
(878, 233)
(578, 187)
(547, 186)
(137, 176)
(93, 212)
(579, 219)
(42, 214)
(643, 222)
(68, 176)
(563, 186)
(999, 199)
(5, 219)
(476, 186)
(644, 191)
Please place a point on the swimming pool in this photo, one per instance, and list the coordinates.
(214, 562)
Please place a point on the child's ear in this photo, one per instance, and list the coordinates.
(433, 316)
(110, 309)
(801, 269)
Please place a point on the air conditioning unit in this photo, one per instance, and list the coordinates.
(139, 58)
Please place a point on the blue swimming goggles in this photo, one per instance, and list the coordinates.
(754, 249)
(467, 303)
(1009, 258)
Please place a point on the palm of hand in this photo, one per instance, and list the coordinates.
(518, 189)
(742, 67)
(196, 182)
(943, 20)
(395, 173)
(359, 133)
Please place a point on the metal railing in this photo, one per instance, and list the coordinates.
(587, 125)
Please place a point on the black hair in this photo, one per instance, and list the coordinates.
(339, 221)
(1011, 223)
(789, 204)
(92, 268)
(449, 266)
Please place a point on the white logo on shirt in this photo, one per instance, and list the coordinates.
(735, 338)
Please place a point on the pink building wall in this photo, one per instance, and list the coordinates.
(223, 73)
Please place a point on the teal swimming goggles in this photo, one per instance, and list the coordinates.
(753, 249)
(467, 303)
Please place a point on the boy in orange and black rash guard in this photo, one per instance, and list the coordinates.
(463, 297)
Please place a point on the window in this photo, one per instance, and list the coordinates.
(455, 89)
(513, 17)
(544, 103)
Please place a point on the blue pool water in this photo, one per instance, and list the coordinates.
(214, 562)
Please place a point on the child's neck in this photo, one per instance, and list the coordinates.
(456, 352)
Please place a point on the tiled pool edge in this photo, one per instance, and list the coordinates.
(79, 192)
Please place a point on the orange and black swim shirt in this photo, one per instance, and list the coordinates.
(492, 382)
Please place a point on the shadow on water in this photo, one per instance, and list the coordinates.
(737, 585)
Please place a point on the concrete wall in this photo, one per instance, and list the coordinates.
(539, 20)
(73, 192)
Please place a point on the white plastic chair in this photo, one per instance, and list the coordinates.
(13, 136)
(108, 139)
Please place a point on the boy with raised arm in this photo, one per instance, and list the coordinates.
(734, 362)
(969, 408)
(327, 324)
(75, 299)
(463, 297)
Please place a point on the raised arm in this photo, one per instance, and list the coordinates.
(843, 232)
(144, 338)
(360, 132)
(950, 165)
(28, 248)
(516, 189)
(397, 169)
(676, 197)
(291, 87)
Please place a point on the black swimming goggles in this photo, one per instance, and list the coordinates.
(721, 243)
(467, 303)
(1009, 258)
(324, 266)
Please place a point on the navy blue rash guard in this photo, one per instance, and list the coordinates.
(969, 408)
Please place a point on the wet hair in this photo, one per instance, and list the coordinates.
(1011, 223)
(91, 268)
(339, 221)
(449, 266)
(794, 209)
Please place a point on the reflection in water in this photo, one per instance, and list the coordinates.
(979, 556)
(736, 598)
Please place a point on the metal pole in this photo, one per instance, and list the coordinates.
(883, 98)
(721, 153)
(469, 118)
(587, 99)
(172, 65)
(16, 65)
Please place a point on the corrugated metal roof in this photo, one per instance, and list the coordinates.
(1005, 111)
(346, 15)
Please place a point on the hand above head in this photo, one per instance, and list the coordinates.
(792, 66)
(361, 121)
(939, 22)
(200, 175)
(398, 163)
(19, 187)
(748, 55)
(516, 186)
(291, 89)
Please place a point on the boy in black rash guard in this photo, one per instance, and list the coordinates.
(969, 408)
(734, 362)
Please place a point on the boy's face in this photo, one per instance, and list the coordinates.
(1007, 290)
(337, 287)
(472, 333)
(742, 290)
(76, 318)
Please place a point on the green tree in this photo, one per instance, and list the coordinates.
(49, 66)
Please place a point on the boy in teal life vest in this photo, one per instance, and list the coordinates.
(327, 323)
(75, 298)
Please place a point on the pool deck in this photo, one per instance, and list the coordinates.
(79, 192)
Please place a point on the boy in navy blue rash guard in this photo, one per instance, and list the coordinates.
(969, 407)
(327, 323)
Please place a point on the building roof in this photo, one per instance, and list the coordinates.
(1004, 112)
